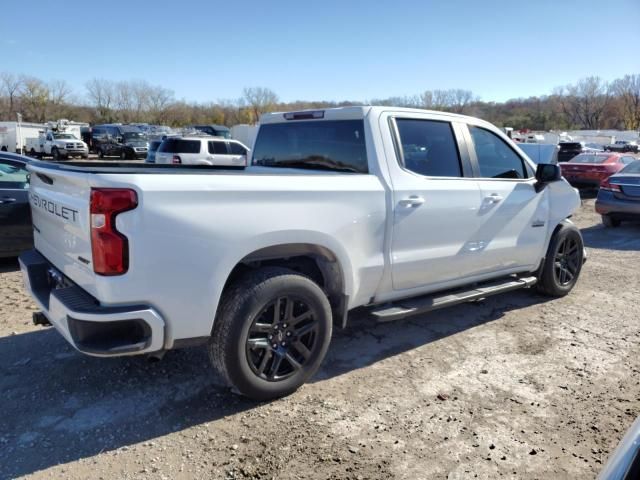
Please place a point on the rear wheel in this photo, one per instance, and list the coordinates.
(271, 333)
(563, 262)
(610, 222)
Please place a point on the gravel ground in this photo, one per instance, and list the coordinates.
(515, 386)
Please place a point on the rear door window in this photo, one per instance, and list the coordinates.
(429, 147)
(178, 145)
(218, 148)
(496, 159)
(237, 149)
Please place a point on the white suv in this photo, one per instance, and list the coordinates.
(202, 150)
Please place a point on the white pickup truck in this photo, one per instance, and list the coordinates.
(400, 210)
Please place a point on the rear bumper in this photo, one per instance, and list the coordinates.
(583, 182)
(94, 329)
(608, 204)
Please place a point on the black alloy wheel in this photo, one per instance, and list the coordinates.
(281, 338)
(567, 260)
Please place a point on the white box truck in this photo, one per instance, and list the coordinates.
(14, 135)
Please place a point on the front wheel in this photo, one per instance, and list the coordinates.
(271, 333)
(610, 222)
(100, 153)
(563, 262)
(55, 153)
(123, 154)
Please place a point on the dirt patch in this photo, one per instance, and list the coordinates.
(516, 386)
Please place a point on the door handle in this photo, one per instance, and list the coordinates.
(494, 198)
(7, 200)
(412, 201)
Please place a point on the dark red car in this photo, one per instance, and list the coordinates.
(587, 170)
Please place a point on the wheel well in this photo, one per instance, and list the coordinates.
(313, 261)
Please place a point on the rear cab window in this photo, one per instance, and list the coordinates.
(179, 145)
(337, 145)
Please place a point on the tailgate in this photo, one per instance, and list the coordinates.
(60, 211)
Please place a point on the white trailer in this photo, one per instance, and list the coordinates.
(14, 135)
(245, 134)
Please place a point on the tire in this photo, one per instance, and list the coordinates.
(100, 153)
(85, 156)
(123, 154)
(258, 358)
(610, 222)
(55, 153)
(563, 262)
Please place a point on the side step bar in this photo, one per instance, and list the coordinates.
(427, 303)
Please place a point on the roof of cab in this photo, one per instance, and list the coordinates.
(359, 112)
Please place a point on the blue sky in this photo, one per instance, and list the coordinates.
(328, 50)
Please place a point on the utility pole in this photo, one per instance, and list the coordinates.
(19, 132)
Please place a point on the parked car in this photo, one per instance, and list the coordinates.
(153, 148)
(568, 150)
(619, 196)
(16, 231)
(123, 141)
(541, 152)
(403, 211)
(588, 170)
(622, 146)
(202, 150)
(213, 130)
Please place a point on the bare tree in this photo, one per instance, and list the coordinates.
(35, 98)
(260, 100)
(59, 93)
(461, 99)
(101, 95)
(10, 85)
(585, 102)
(627, 89)
(159, 99)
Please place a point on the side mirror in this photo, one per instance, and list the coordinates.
(547, 173)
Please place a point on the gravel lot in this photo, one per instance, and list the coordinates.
(515, 386)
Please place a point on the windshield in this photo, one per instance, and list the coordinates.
(589, 159)
(632, 168)
(134, 136)
(64, 136)
(319, 145)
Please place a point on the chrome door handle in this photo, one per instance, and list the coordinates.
(494, 198)
(412, 201)
(7, 200)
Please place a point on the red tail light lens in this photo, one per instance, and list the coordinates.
(109, 247)
(610, 187)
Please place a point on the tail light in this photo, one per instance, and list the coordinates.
(176, 159)
(110, 248)
(608, 186)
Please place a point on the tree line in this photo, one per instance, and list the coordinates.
(591, 103)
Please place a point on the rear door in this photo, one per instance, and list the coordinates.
(513, 216)
(435, 204)
(16, 233)
(220, 153)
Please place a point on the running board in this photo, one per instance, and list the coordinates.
(427, 303)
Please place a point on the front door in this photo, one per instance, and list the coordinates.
(16, 232)
(513, 215)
